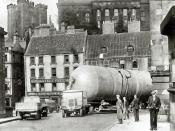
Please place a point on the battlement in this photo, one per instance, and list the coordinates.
(41, 6)
(11, 6)
(30, 3)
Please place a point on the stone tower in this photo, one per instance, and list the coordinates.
(24, 15)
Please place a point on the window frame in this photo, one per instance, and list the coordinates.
(40, 87)
(41, 75)
(32, 69)
(52, 69)
(32, 60)
(40, 61)
(53, 61)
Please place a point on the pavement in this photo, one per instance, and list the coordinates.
(142, 125)
(9, 119)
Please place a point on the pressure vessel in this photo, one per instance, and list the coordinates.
(105, 83)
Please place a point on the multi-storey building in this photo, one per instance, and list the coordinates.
(91, 14)
(14, 71)
(2, 73)
(24, 15)
(126, 50)
(49, 60)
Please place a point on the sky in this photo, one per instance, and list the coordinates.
(52, 10)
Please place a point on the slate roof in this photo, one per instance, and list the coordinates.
(56, 44)
(116, 44)
(15, 47)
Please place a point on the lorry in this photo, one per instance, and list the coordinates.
(74, 102)
(31, 106)
(104, 83)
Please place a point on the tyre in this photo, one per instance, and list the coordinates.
(38, 116)
(63, 114)
(22, 116)
(81, 112)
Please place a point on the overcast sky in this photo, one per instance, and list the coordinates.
(52, 10)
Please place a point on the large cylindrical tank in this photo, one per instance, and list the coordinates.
(105, 83)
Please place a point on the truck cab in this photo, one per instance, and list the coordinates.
(74, 102)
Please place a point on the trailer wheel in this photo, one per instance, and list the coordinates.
(38, 115)
(22, 116)
(63, 114)
(81, 112)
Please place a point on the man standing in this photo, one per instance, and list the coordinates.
(125, 108)
(119, 106)
(135, 106)
(154, 105)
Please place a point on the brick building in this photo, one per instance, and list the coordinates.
(2, 73)
(91, 14)
(24, 15)
(49, 60)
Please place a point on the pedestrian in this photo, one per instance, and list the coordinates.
(153, 105)
(135, 107)
(125, 108)
(119, 106)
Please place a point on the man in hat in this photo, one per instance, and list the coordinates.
(135, 106)
(119, 106)
(154, 105)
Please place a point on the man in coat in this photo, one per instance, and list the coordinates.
(119, 106)
(125, 108)
(154, 105)
(135, 107)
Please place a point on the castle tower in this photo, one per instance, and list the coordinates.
(25, 15)
(42, 13)
(11, 27)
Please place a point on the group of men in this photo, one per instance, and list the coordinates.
(123, 109)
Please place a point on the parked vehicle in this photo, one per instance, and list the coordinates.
(31, 106)
(74, 102)
(52, 105)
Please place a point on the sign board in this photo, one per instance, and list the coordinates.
(56, 93)
(55, 80)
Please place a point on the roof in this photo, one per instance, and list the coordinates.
(116, 44)
(167, 25)
(18, 47)
(56, 44)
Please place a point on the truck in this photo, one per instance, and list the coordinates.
(74, 102)
(104, 83)
(31, 106)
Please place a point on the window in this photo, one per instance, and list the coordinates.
(6, 87)
(76, 59)
(53, 59)
(7, 101)
(66, 84)
(134, 64)
(142, 14)
(41, 72)
(66, 59)
(5, 58)
(33, 87)
(40, 60)
(106, 12)
(41, 87)
(32, 73)
(98, 13)
(32, 60)
(115, 12)
(53, 72)
(103, 49)
(6, 72)
(66, 72)
(133, 14)
(87, 19)
(54, 86)
(125, 12)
